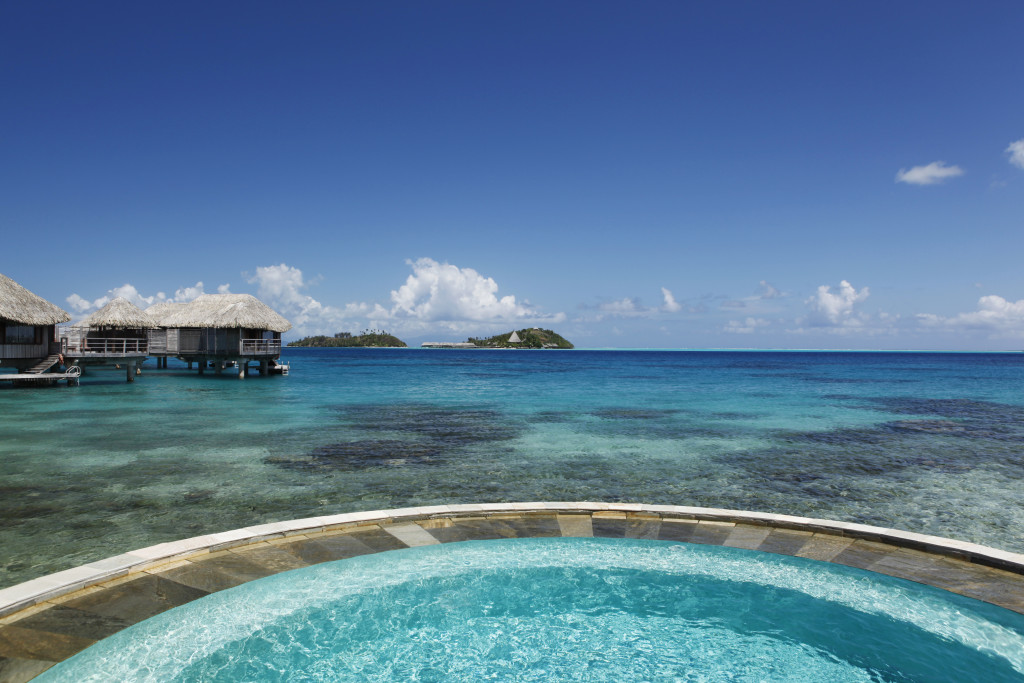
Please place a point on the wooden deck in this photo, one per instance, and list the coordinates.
(41, 378)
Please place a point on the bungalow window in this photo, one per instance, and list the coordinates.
(20, 334)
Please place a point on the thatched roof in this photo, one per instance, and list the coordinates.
(119, 314)
(19, 305)
(161, 310)
(226, 311)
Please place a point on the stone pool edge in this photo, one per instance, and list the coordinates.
(33, 636)
(20, 596)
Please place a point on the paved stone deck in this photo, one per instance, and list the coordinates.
(47, 620)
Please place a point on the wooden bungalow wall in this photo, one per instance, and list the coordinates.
(41, 345)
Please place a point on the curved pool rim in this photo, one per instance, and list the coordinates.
(38, 629)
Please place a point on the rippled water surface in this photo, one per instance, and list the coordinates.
(932, 443)
(567, 610)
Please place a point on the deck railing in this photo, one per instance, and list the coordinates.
(105, 346)
(260, 347)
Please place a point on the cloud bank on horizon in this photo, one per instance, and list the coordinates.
(434, 296)
(994, 313)
(127, 291)
(440, 298)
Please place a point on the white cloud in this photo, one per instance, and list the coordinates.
(78, 304)
(128, 291)
(830, 308)
(626, 307)
(1016, 152)
(768, 291)
(281, 286)
(187, 293)
(765, 292)
(994, 313)
(932, 174)
(670, 305)
(435, 296)
(747, 326)
(441, 292)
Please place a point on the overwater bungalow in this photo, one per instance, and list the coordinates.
(219, 330)
(117, 334)
(28, 325)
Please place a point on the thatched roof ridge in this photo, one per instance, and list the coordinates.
(227, 311)
(19, 305)
(119, 314)
(161, 310)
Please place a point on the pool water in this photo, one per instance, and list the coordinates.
(549, 609)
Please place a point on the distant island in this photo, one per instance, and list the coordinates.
(527, 338)
(368, 338)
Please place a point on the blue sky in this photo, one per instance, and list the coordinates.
(653, 174)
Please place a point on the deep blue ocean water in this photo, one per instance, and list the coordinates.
(926, 442)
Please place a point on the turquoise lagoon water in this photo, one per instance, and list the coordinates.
(567, 609)
(932, 443)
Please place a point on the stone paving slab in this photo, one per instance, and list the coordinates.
(528, 527)
(785, 541)
(824, 547)
(15, 669)
(137, 599)
(746, 536)
(378, 539)
(18, 642)
(69, 621)
(576, 525)
(861, 554)
(625, 525)
(473, 529)
(677, 530)
(711, 533)
(411, 534)
(327, 548)
(271, 558)
(201, 577)
(49, 619)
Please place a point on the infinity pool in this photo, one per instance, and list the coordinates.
(543, 609)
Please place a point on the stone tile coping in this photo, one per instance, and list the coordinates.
(48, 619)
